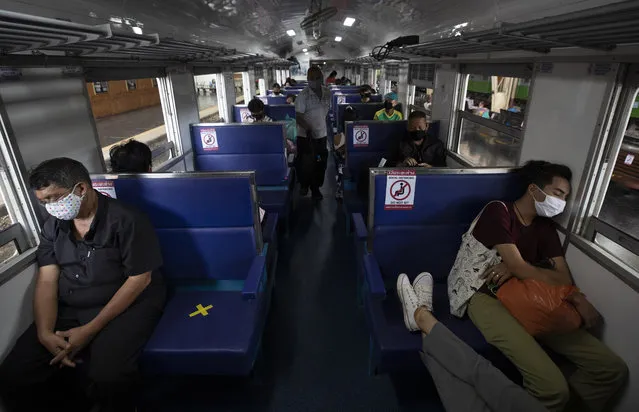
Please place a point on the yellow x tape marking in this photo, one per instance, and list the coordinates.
(201, 310)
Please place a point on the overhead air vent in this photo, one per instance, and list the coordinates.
(424, 72)
(259, 72)
(392, 70)
(318, 17)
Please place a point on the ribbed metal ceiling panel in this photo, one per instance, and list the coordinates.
(599, 28)
(21, 33)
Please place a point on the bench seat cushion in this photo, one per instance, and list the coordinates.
(225, 342)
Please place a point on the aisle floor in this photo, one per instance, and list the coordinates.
(315, 348)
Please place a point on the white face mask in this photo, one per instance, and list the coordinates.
(550, 207)
(66, 208)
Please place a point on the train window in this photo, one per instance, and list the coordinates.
(423, 99)
(100, 87)
(614, 223)
(17, 222)
(490, 119)
(207, 98)
(131, 110)
(239, 88)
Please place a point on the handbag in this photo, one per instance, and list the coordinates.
(539, 307)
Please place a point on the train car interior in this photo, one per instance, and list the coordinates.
(298, 159)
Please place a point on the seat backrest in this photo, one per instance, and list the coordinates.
(353, 98)
(276, 100)
(242, 147)
(241, 113)
(278, 112)
(372, 140)
(365, 111)
(207, 223)
(425, 235)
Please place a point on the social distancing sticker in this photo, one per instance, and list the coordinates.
(105, 187)
(360, 136)
(629, 159)
(245, 114)
(400, 190)
(209, 139)
(341, 99)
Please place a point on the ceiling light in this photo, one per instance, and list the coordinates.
(304, 50)
(349, 21)
(338, 38)
(290, 32)
(117, 20)
(306, 53)
(136, 30)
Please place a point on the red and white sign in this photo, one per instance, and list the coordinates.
(629, 159)
(400, 190)
(245, 115)
(105, 187)
(360, 136)
(209, 139)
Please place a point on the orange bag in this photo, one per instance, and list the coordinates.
(539, 307)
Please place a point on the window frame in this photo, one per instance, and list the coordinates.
(24, 230)
(519, 70)
(587, 224)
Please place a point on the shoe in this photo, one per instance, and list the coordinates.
(423, 287)
(408, 298)
(317, 195)
(303, 191)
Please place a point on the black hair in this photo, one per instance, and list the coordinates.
(333, 74)
(256, 105)
(292, 96)
(132, 157)
(61, 172)
(276, 85)
(541, 173)
(417, 114)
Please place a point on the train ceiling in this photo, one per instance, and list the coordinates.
(255, 31)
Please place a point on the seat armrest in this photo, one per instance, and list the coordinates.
(374, 277)
(270, 226)
(256, 275)
(360, 227)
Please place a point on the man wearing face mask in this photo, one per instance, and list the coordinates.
(527, 242)
(98, 296)
(311, 108)
(388, 113)
(418, 148)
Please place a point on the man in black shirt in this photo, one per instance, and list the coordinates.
(98, 296)
(418, 148)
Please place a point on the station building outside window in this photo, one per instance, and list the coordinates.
(205, 88)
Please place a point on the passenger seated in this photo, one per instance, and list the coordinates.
(524, 237)
(388, 112)
(277, 90)
(482, 110)
(465, 381)
(331, 78)
(98, 296)
(256, 107)
(290, 98)
(417, 147)
(131, 157)
(366, 95)
(392, 96)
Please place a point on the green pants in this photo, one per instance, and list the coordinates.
(599, 375)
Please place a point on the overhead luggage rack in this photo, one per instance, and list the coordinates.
(20, 32)
(600, 28)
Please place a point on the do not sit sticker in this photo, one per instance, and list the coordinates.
(209, 139)
(360, 136)
(400, 190)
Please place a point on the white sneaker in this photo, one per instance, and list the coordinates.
(409, 301)
(423, 287)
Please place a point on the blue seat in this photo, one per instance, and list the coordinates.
(365, 111)
(353, 98)
(273, 100)
(277, 112)
(423, 239)
(250, 146)
(214, 256)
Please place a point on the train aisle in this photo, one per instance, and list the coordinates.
(315, 349)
